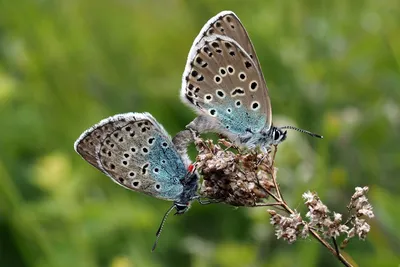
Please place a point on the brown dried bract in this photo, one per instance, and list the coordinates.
(238, 179)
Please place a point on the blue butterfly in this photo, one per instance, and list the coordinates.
(135, 151)
(223, 82)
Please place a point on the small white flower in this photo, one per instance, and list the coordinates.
(351, 233)
(343, 228)
(362, 228)
(360, 202)
(360, 191)
(278, 233)
(367, 212)
(320, 207)
(308, 197)
(290, 235)
(337, 217)
(276, 219)
(332, 233)
(305, 231)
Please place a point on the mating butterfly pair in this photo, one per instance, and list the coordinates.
(224, 84)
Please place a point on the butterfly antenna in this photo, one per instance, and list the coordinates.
(302, 131)
(161, 226)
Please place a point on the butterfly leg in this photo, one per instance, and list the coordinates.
(266, 150)
(230, 143)
(207, 201)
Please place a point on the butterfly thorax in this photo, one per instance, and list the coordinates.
(190, 185)
(265, 138)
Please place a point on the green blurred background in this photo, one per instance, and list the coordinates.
(332, 67)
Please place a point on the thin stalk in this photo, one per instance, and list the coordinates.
(321, 240)
(314, 233)
(278, 191)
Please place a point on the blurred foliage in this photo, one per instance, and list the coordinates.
(332, 67)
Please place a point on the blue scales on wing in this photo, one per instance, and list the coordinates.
(137, 153)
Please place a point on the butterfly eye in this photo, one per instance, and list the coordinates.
(181, 208)
(276, 135)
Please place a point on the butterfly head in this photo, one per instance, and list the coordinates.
(181, 208)
(277, 135)
(190, 185)
(265, 138)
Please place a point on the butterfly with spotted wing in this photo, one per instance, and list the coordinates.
(135, 151)
(223, 82)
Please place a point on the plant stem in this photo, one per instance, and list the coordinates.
(314, 233)
(321, 240)
(278, 191)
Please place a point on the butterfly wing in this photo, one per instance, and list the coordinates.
(226, 23)
(223, 83)
(135, 152)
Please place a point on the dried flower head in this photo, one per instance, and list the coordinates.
(317, 211)
(321, 220)
(360, 203)
(288, 227)
(234, 178)
(249, 179)
(359, 207)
